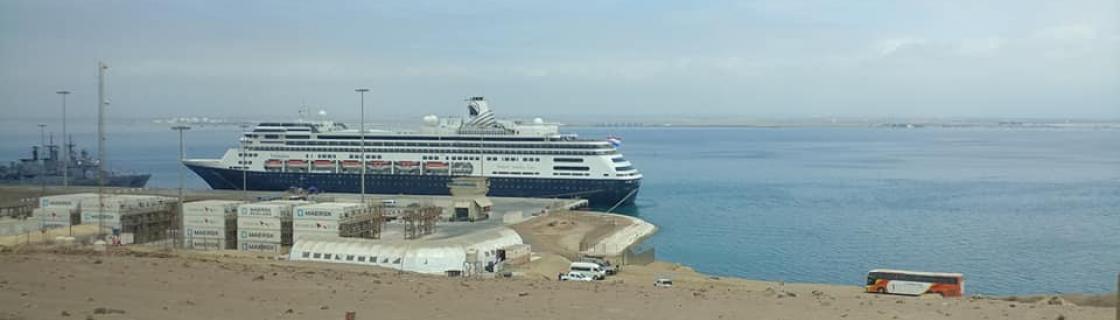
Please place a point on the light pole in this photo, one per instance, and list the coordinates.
(181, 157)
(362, 134)
(101, 104)
(244, 165)
(65, 143)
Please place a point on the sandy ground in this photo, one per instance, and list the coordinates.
(47, 282)
(562, 233)
(155, 285)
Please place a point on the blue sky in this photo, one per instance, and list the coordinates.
(708, 58)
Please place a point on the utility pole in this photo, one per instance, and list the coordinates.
(182, 156)
(101, 104)
(244, 165)
(65, 143)
(362, 134)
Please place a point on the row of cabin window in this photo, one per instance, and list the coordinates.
(368, 156)
(447, 145)
(514, 159)
(571, 174)
(467, 151)
(516, 173)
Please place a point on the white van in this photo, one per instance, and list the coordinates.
(592, 269)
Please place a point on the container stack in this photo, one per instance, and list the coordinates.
(210, 224)
(61, 211)
(265, 226)
(118, 205)
(321, 220)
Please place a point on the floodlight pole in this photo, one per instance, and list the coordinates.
(181, 158)
(362, 133)
(244, 166)
(101, 104)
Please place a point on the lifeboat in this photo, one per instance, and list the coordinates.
(273, 163)
(297, 163)
(351, 164)
(379, 164)
(323, 164)
(408, 167)
(435, 165)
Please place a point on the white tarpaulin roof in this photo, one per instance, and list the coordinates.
(423, 256)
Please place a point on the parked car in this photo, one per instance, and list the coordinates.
(663, 283)
(607, 267)
(593, 270)
(576, 276)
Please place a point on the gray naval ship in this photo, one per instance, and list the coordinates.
(46, 167)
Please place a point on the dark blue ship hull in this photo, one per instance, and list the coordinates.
(599, 193)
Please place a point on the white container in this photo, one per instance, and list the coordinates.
(253, 246)
(204, 233)
(55, 224)
(314, 225)
(259, 223)
(265, 210)
(326, 211)
(311, 234)
(204, 221)
(71, 201)
(104, 218)
(211, 208)
(206, 244)
(258, 235)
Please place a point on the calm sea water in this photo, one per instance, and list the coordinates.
(1017, 211)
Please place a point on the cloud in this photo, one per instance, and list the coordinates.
(891, 46)
(1073, 32)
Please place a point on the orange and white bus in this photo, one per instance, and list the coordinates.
(915, 283)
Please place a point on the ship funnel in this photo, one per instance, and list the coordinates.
(477, 106)
(480, 113)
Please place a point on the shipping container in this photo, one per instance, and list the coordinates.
(314, 225)
(265, 210)
(259, 235)
(253, 246)
(319, 235)
(71, 201)
(259, 223)
(206, 244)
(327, 211)
(211, 208)
(208, 221)
(55, 224)
(204, 233)
(104, 218)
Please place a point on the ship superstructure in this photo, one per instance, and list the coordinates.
(46, 165)
(520, 159)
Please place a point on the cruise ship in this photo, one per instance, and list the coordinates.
(518, 158)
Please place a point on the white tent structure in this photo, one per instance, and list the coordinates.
(422, 256)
